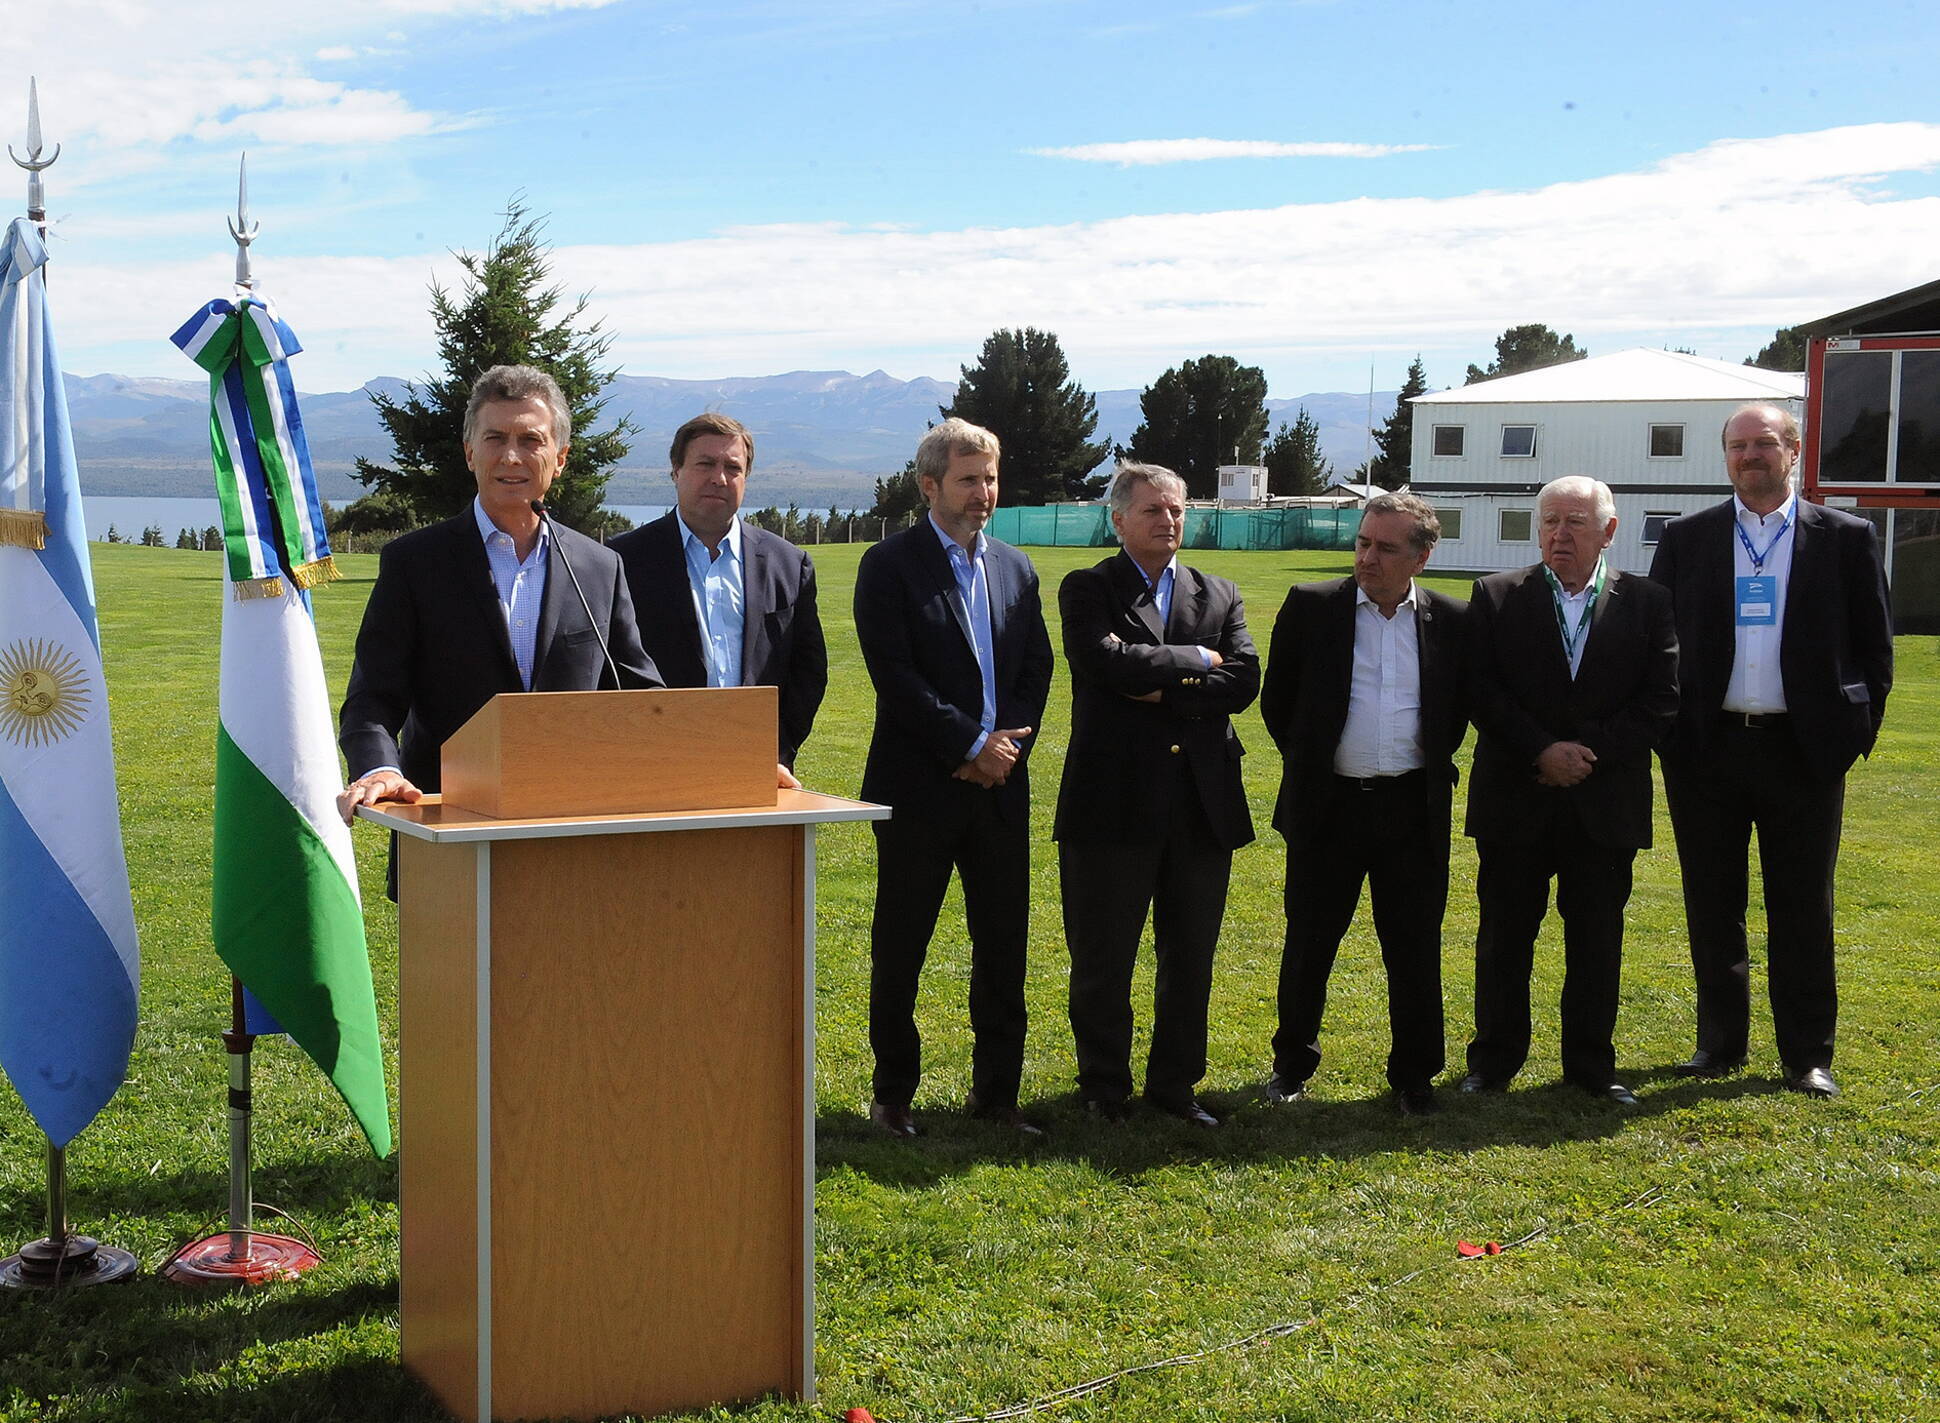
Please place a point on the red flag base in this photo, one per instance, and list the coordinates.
(271, 1258)
(69, 1262)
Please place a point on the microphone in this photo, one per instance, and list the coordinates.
(545, 517)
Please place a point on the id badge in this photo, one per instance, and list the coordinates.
(1757, 602)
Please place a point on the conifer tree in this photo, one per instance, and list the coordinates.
(1199, 416)
(1293, 461)
(1394, 441)
(1022, 392)
(504, 313)
(1527, 348)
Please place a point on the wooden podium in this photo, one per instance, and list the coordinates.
(607, 1058)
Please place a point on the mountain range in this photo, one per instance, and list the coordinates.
(822, 437)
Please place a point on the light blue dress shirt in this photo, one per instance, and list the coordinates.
(720, 601)
(521, 586)
(973, 590)
(1162, 597)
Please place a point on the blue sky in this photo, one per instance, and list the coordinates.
(748, 188)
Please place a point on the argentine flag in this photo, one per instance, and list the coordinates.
(68, 956)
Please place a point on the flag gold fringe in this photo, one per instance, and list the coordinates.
(258, 588)
(23, 528)
(324, 570)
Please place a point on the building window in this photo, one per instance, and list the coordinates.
(1518, 442)
(1512, 526)
(1448, 440)
(1666, 442)
(1451, 522)
(1654, 522)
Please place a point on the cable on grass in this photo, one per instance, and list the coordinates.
(1641, 1201)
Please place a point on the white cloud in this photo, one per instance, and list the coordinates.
(1143, 152)
(1740, 234)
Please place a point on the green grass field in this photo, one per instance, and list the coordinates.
(1730, 1251)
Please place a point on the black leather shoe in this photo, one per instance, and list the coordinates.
(1813, 1082)
(1281, 1089)
(1476, 1082)
(1186, 1109)
(1612, 1092)
(1416, 1101)
(1108, 1109)
(1003, 1116)
(1705, 1063)
(895, 1120)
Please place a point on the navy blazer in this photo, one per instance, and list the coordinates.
(1310, 676)
(1118, 784)
(433, 647)
(1621, 704)
(915, 636)
(1836, 648)
(781, 643)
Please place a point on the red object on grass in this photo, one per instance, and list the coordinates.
(858, 1415)
(1468, 1249)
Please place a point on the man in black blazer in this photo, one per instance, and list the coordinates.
(483, 603)
(699, 566)
(952, 630)
(1572, 677)
(1151, 807)
(1787, 650)
(1363, 695)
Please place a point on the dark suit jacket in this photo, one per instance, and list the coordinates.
(1621, 705)
(1118, 784)
(915, 637)
(433, 647)
(1310, 674)
(1836, 652)
(781, 642)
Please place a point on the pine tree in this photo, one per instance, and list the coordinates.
(1527, 348)
(1293, 461)
(898, 496)
(1394, 441)
(1785, 351)
(503, 314)
(1201, 415)
(1022, 392)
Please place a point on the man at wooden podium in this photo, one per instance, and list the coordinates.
(952, 629)
(499, 599)
(720, 602)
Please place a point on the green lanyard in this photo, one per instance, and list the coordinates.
(1571, 639)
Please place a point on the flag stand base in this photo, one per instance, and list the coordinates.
(265, 1260)
(67, 1263)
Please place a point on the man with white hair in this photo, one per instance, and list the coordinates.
(1572, 684)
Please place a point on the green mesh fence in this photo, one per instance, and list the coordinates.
(1089, 526)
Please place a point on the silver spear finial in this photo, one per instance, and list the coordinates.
(33, 162)
(241, 228)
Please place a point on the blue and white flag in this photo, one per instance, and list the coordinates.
(68, 956)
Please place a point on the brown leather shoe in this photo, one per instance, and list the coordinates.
(897, 1121)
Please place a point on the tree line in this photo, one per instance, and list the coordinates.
(1196, 416)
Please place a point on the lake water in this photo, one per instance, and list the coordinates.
(130, 515)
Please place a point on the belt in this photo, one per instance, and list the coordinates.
(1754, 720)
(1376, 783)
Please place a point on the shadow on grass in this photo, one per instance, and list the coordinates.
(312, 1189)
(1256, 1130)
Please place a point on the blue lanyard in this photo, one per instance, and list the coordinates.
(1757, 558)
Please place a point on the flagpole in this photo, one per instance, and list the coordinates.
(59, 1258)
(241, 1255)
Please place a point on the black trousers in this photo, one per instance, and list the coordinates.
(1382, 832)
(914, 857)
(1108, 890)
(1512, 896)
(1755, 779)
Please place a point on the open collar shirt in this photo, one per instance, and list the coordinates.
(719, 585)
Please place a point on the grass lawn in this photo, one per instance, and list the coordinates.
(1730, 1251)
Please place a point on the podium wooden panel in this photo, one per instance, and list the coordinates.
(607, 1082)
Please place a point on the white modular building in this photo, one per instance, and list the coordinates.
(1648, 423)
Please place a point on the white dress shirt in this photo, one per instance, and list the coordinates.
(1382, 736)
(1757, 681)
